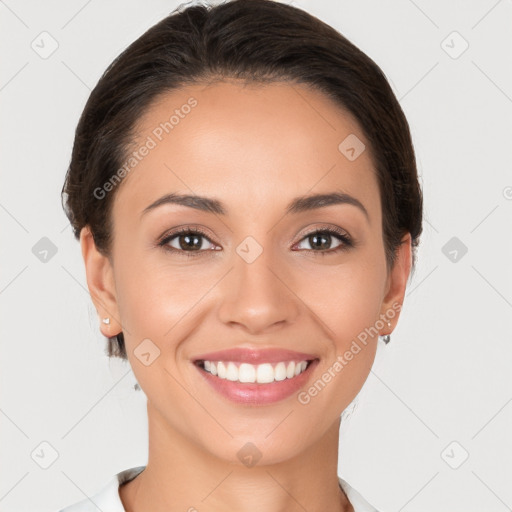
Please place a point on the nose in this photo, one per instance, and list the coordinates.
(258, 296)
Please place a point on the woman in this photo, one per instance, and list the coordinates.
(244, 188)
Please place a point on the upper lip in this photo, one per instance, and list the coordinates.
(255, 356)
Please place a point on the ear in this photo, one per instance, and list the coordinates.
(396, 284)
(101, 284)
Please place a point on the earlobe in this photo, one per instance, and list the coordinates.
(100, 281)
(397, 283)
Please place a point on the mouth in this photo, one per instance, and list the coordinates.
(264, 373)
(257, 379)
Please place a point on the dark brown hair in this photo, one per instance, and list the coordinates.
(255, 41)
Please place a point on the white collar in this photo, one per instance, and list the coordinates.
(108, 498)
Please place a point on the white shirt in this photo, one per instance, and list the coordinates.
(108, 499)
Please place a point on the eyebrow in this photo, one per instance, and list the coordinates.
(298, 205)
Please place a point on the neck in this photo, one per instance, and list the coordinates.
(181, 475)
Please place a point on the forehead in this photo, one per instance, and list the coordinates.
(257, 144)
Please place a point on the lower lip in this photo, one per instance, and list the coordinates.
(258, 394)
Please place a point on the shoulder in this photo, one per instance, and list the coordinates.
(107, 498)
(356, 500)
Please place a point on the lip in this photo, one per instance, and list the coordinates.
(255, 356)
(254, 393)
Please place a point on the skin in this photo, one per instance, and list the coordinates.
(255, 148)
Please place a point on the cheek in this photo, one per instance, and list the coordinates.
(347, 302)
(346, 299)
(154, 296)
(350, 311)
(153, 302)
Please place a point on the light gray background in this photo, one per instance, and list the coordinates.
(444, 378)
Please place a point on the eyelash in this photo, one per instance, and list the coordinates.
(347, 242)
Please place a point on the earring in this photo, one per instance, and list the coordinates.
(387, 338)
(106, 321)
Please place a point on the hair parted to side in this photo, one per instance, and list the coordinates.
(255, 41)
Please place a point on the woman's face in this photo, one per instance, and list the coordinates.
(258, 275)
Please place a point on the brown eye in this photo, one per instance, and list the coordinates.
(321, 241)
(186, 241)
(189, 241)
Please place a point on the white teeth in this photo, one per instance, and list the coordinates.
(280, 371)
(290, 370)
(246, 373)
(221, 370)
(261, 373)
(232, 372)
(264, 373)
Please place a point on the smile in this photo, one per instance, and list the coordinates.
(249, 373)
(256, 385)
